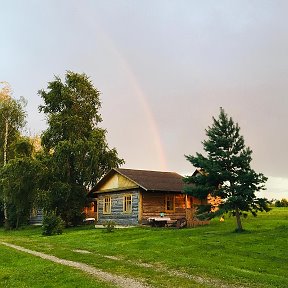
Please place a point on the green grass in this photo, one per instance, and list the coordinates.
(24, 271)
(256, 258)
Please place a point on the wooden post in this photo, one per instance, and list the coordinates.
(186, 206)
(140, 207)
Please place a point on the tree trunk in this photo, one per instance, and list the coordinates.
(17, 222)
(5, 142)
(5, 162)
(238, 220)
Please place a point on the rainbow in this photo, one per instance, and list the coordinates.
(150, 118)
(144, 104)
(147, 111)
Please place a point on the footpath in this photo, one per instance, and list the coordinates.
(118, 281)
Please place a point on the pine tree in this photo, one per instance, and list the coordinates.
(225, 172)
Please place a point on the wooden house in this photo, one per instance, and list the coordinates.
(132, 197)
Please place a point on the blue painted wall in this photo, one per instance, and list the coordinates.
(117, 215)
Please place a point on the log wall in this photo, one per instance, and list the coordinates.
(117, 215)
(153, 204)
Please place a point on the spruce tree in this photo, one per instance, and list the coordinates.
(225, 172)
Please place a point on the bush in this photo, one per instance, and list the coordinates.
(16, 218)
(109, 225)
(52, 224)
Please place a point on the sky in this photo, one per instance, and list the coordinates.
(164, 68)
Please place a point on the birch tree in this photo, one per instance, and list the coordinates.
(12, 119)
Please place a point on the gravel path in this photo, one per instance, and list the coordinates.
(117, 280)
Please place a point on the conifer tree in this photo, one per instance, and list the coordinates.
(225, 172)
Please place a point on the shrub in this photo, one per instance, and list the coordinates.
(109, 226)
(52, 224)
(16, 217)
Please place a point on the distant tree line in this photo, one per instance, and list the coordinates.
(281, 203)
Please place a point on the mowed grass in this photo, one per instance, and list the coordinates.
(21, 270)
(208, 256)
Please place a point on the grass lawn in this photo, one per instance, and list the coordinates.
(208, 256)
(24, 271)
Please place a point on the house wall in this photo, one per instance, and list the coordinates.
(147, 204)
(153, 203)
(117, 215)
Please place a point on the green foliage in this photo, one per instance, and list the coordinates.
(72, 108)
(18, 185)
(11, 113)
(225, 172)
(12, 119)
(52, 224)
(2, 219)
(281, 203)
(23, 147)
(76, 154)
(109, 226)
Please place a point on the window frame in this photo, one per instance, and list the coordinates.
(106, 204)
(168, 198)
(125, 201)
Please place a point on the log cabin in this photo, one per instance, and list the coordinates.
(133, 197)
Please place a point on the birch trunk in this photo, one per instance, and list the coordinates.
(5, 162)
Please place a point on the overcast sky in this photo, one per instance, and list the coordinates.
(164, 68)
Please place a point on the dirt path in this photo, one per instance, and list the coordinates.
(209, 282)
(117, 280)
(121, 281)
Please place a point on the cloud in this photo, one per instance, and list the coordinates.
(277, 188)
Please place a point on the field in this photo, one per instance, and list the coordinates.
(208, 256)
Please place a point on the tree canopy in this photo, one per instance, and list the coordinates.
(225, 172)
(75, 147)
(72, 109)
(19, 183)
(12, 119)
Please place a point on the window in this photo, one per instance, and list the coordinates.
(169, 203)
(107, 205)
(127, 204)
